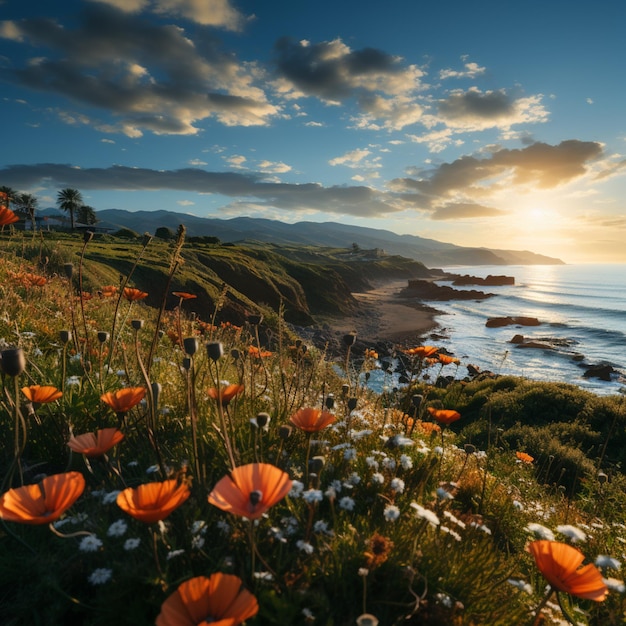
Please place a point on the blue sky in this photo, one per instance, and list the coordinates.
(497, 124)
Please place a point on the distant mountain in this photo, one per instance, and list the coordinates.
(328, 234)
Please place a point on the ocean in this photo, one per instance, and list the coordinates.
(582, 311)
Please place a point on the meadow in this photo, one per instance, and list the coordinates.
(170, 464)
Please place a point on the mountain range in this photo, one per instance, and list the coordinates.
(430, 252)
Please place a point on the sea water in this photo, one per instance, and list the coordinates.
(581, 310)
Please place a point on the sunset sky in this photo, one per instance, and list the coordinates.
(487, 123)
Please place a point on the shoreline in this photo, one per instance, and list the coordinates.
(385, 316)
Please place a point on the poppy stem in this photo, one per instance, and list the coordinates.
(543, 603)
(78, 533)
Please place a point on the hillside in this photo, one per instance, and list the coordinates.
(331, 234)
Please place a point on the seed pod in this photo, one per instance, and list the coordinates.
(215, 350)
(12, 361)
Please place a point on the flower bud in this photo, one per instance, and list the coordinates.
(12, 361)
(262, 419)
(65, 336)
(349, 339)
(190, 345)
(137, 324)
(352, 404)
(103, 336)
(87, 236)
(215, 350)
(284, 432)
(316, 464)
(330, 402)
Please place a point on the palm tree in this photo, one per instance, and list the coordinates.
(70, 200)
(26, 203)
(10, 194)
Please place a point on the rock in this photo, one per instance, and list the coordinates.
(603, 372)
(428, 290)
(536, 344)
(490, 280)
(578, 357)
(498, 322)
(517, 339)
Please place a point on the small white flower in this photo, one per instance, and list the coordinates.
(540, 531)
(426, 514)
(454, 519)
(605, 561)
(406, 462)
(346, 503)
(371, 462)
(91, 543)
(349, 454)
(117, 529)
(378, 478)
(397, 485)
(389, 463)
(224, 526)
(197, 542)
(172, 554)
(198, 527)
(72, 381)
(132, 543)
(110, 497)
(574, 533)
(305, 546)
(354, 478)
(444, 599)
(391, 513)
(330, 493)
(264, 576)
(321, 526)
(310, 496)
(308, 615)
(438, 450)
(518, 505)
(297, 488)
(100, 576)
(153, 469)
(363, 571)
(450, 532)
(615, 585)
(520, 584)
(444, 494)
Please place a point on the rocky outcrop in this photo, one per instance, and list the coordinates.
(489, 281)
(429, 290)
(601, 371)
(498, 322)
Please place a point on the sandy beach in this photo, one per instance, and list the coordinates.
(387, 316)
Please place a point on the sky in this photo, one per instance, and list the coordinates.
(487, 123)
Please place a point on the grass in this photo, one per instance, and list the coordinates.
(389, 513)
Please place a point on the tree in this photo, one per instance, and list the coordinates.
(10, 195)
(163, 232)
(70, 200)
(26, 204)
(86, 215)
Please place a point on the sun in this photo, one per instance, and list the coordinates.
(537, 214)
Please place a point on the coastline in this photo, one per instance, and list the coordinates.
(386, 316)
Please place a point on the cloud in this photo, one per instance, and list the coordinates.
(471, 70)
(358, 201)
(350, 159)
(539, 165)
(148, 77)
(218, 13)
(464, 210)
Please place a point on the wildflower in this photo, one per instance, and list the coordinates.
(39, 394)
(132, 543)
(349, 454)
(560, 565)
(91, 543)
(450, 532)
(100, 576)
(95, 444)
(540, 531)
(444, 416)
(256, 353)
(197, 542)
(444, 359)
(153, 502)
(524, 458)
(250, 490)
(397, 485)
(312, 420)
(224, 395)
(391, 513)
(199, 527)
(378, 478)
(310, 496)
(346, 503)
(305, 546)
(43, 502)
(426, 514)
(132, 294)
(321, 526)
(124, 400)
(172, 554)
(371, 462)
(444, 494)
(117, 529)
(308, 615)
(421, 352)
(614, 584)
(406, 462)
(605, 561)
(297, 488)
(219, 598)
(520, 584)
(183, 295)
(454, 519)
(7, 216)
(574, 533)
(224, 526)
(108, 291)
(378, 549)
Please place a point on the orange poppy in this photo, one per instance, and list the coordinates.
(219, 600)
(421, 351)
(428, 428)
(124, 400)
(524, 458)
(7, 216)
(445, 359)
(250, 490)
(40, 394)
(255, 352)
(153, 502)
(132, 294)
(183, 295)
(95, 444)
(34, 280)
(224, 395)
(371, 354)
(560, 565)
(444, 416)
(43, 502)
(312, 420)
(108, 291)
